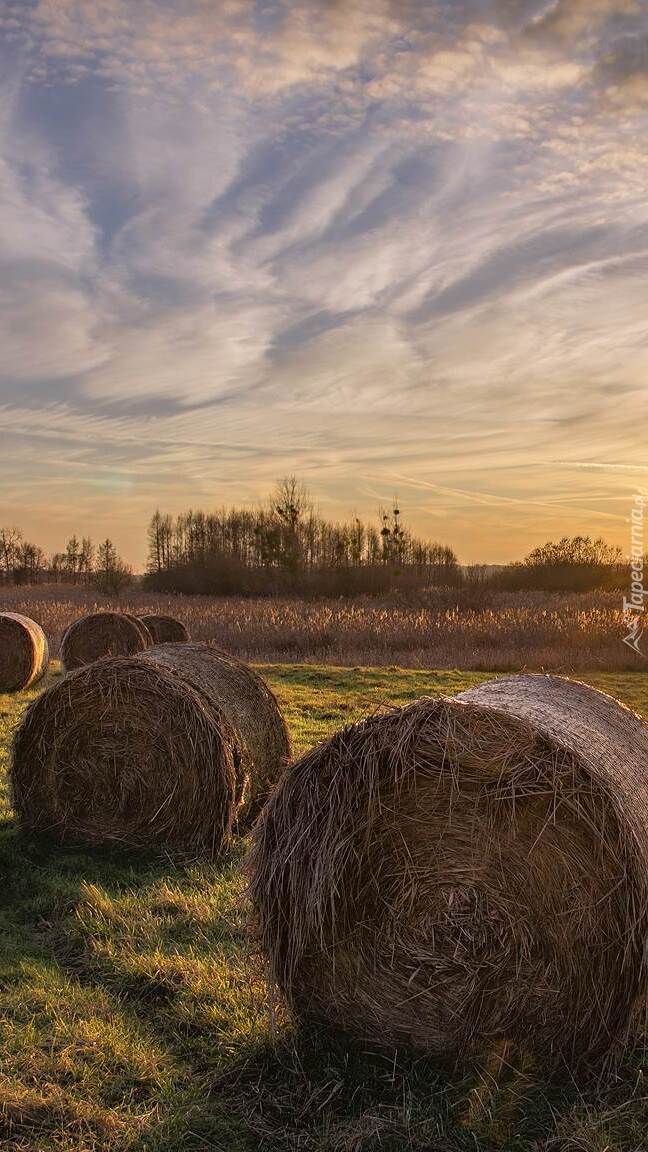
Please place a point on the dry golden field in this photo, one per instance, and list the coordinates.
(469, 629)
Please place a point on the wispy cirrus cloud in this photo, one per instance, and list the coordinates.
(239, 239)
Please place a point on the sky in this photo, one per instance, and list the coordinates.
(397, 249)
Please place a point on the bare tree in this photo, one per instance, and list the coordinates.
(86, 557)
(290, 505)
(112, 574)
(30, 563)
(10, 541)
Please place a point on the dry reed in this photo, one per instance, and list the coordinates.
(563, 633)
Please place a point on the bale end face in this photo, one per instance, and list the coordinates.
(102, 634)
(165, 748)
(24, 653)
(122, 753)
(165, 629)
(454, 874)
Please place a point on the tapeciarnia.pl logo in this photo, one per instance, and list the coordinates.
(635, 606)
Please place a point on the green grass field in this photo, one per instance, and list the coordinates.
(133, 1013)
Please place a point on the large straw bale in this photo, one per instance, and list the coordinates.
(465, 872)
(102, 634)
(165, 629)
(157, 749)
(24, 653)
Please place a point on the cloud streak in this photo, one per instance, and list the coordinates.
(238, 239)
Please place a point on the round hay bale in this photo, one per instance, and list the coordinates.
(150, 750)
(262, 744)
(102, 634)
(465, 872)
(165, 629)
(24, 653)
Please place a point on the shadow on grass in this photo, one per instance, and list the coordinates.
(313, 1091)
(41, 876)
(97, 1057)
(163, 949)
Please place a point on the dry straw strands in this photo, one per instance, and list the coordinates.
(151, 750)
(465, 872)
(102, 634)
(165, 629)
(24, 654)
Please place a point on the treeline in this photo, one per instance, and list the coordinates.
(286, 547)
(80, 562)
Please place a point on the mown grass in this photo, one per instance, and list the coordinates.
(134, 1018)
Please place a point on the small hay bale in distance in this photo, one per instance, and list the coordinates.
(463, 872)
(102, 634)
(165, 629)
(154, 750)
(24, 654)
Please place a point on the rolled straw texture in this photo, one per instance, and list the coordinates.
(464, 873)
(102, 634)
(152, 750)
(165, 629)
(24, 652)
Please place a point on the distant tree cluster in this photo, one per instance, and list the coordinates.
(20, 561)
(76, 564)
(574, 551)
(571, 564)
(285, 546)
(79, 563)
